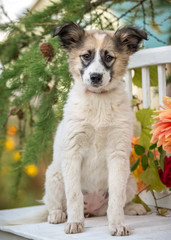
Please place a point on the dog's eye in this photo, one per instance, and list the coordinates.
(86, 56)
(108, 58)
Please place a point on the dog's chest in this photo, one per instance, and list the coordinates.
(94, 164)
(97, 110)
(100, 115)
(94, 173)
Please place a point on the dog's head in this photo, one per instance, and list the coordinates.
(99, 58)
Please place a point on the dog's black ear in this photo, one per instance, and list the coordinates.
(128, 38)
(70, 35)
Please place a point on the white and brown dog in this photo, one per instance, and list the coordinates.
(90, 169)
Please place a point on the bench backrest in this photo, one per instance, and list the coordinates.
(144, 58)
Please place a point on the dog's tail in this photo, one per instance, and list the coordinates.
(22, 216)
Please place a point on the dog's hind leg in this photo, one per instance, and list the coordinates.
(134, 209)
(130, 207)
(54, 197)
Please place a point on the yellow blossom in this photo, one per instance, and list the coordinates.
(10, 144)
(17, 156)
(31, 170)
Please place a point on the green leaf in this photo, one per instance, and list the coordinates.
(135, 165)
(153, 76)
(139, 149)
(162, 212)
(153, 146)
(156, 163)
(151, 177)
(134, 102)
(144, 162)
(160, 149)
(145, 138)
(162, 164)
(144, 116)
(137, 199)
(152, 163)
(150, 155)
(162, 157)
(137, 79)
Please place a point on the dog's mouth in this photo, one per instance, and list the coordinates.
(96, 81)
(96, 85)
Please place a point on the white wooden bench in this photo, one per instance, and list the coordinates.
(150, 226)
(159, 56)
(143, 227)
(143, 59)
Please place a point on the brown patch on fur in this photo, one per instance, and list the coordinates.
(120, 65)
(70, 35)
(108, 44)
(128, 39)
(91, 42)
(120, 44)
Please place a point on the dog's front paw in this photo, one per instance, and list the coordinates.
(74, 227)
(119, 230)
(56, 216)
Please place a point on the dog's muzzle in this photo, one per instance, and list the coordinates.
(96, 79)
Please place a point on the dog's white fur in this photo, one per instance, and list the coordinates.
(93, 142)
(91, 152)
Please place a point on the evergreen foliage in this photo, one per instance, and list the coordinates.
(33, 89)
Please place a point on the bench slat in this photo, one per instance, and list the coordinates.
(128, 81)
(151, 56)
(146, 87)
(161, 82)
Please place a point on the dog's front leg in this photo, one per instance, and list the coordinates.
(118, 172)
(74, 196)
(77, 139)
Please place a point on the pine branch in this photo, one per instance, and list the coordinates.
(130, 10)
(144, 15)
(160, 23)
(6, 15)
(153, 36)
(152, 11)
(135, 15)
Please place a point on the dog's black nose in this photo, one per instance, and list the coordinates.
(96, 78)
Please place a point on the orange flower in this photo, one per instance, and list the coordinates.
(11, 130)
(134, 140)
(162, 127)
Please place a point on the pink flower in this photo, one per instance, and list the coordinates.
(162, 127)
(166, 175)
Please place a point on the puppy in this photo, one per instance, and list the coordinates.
(90, 169)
